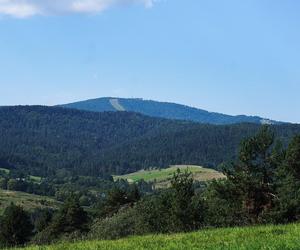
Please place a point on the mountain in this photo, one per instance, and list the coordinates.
(44, 141)
(163, 110)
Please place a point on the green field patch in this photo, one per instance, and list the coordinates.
(5, 170)
(248, 238)
(36, 179)
(162, 177)
(27, 201)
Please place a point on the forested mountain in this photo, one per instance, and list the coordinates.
(42, 140)
(163, 110)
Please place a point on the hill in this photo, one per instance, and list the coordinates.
(254, 238)
(163, 110)
(27, 201)
(42, 140)
(161, 177)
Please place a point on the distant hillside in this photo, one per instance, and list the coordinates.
(41, 141)
(163, 110)
(161, 178)
(27, 201)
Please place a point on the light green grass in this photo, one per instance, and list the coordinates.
(5, 170)
(250, 238)
(27, 201)
(36, 179)
(163, 176)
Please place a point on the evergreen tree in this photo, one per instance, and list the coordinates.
(183, 192)
(15, 226)
(251, 180)
(288, 183)
(70, 218)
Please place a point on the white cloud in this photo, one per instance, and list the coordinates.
(27, 8)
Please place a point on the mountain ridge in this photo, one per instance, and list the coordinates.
(166, 110)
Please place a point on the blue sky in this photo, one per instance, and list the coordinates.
(233, 56)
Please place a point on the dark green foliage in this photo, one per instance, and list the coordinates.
(249, 190)
(153, 214)
(262, 186)
(175, 210)
(288, 184)
(120, 225)
(224, 205)
(15, 226)
(41, 218)
(70, 219)
(51, 141)
(254, 174)
(204, 145)
(3, 183)
(292, 161)
(183, 210)
(117, 198)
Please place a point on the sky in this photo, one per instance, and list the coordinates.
(233, 56)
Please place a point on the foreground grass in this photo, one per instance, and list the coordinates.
(163, 176)
(250, 238)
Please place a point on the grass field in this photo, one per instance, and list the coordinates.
(250, 238)
(5, 170)
(162, 176)
(36, 179)
(28, 201)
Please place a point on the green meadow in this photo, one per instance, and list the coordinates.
(251, 238)
(6, 171)
(162, 177)
(27, 201)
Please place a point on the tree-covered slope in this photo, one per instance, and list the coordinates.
(205, 145)
(42, 140)
(163, 110)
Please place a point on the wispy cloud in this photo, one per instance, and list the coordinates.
(27, 8)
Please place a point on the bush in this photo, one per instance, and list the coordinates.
(120, 225)
(15, 226)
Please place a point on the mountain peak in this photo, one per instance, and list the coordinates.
(166, 110)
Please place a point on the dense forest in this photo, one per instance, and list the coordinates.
(45, 140)
(261, 187)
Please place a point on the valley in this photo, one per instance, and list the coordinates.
(67, 172)
(149, 125)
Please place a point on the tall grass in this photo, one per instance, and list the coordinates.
(250, 238)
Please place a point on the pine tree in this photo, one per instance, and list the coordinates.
(16, 227)
(70, 218)
(182, 212)
(288, 184)
(253, 176)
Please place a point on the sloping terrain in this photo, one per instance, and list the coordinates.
(163, 110)
(27, 201)
(161, 177)
(42, 140)
(249, 238)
